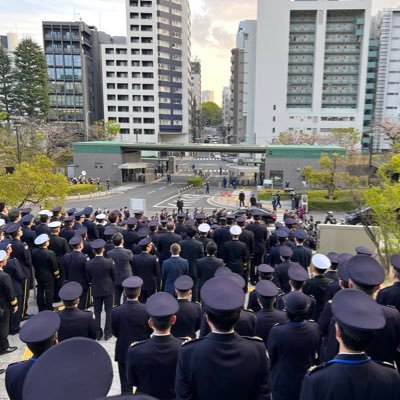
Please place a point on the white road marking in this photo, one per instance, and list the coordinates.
(162, 188)
(151, 192)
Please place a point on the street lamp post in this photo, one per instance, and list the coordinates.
(87, 125)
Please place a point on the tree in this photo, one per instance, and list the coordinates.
(331, 174)
(211, 114)
(346, 137)
(104, 130)
(31, 97)
(34, 183)
(6, 84)
(384, 201)
(301, 138)
(391, 131)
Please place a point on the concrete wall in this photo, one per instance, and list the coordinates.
(101, 165)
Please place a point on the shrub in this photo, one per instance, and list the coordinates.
(196, 181)
(74, 190)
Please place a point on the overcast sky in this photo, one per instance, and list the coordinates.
(214, 26)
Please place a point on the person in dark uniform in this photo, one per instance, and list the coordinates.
(292, 347)
(390, 296)
(14, 270)
(335, 286)
(297, 279)
(180, 227)
(67, 232)
(42, 227)
(208, 265)
(4, 212)
(46, 270)
(129, 324)
(265, 272)
(165, 242)
(268, 315)
(8, 305)
(221, 235)
(189, 315)
(123, 260)
(192, 251)
(145, 266)
(274, 256)
(352, 375)
(20, 251)
(282, 269)
(146, 359)
(74, 322)
(260, 232)
(301, 253)
(130, 235)
(101, 224)
(101, 275)
(234, 253)
(91, 227)
(246, 326)
(203, 238)
(75, 269)
(56, 211)
(173, 268)
(242, 198)
(60, 247)
(332, 272)
(208, 368)
(39, 333)
(362, 250)
(79, 217)
(28, 235)
(318, 285)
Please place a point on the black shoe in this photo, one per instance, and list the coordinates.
(27, 316)
(99, 336)
(107, 336)
(9, 350)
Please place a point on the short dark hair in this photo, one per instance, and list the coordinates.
(113, 216)
(299, 317)
(369, 290)
(191, 232)
(334, 266)
(396, 273)
(354, 339)
(265, 276)
(40, 347)
(162, 323)
(224, 321)
(211, 248)
(117, 239)
(2, 206)
(132, 293)
(266, 302)
(98, 251)
(297, 284)
(170, 225)
(44, 218)
(319, 270)
(69, 303)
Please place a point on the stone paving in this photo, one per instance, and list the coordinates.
(18, 355)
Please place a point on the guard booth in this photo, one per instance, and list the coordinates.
(136, 172)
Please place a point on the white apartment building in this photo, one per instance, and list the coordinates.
(246, 39)
(312, 59)
(226, 106)
(387, 105)
(206, 96)
(147, 86)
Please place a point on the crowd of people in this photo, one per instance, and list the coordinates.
(177, 292)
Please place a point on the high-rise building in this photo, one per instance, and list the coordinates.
(238, 121)
(72, 51)
(246, 39)
(387, 105)
(147, 86)
(226, 106)
(9, 42)
(196, 99)
(206, 96)
(311, 66)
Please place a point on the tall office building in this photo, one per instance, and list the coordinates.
(387, 105)
(238, 121)
(72, 51)
(196, 99)
(9, 42)
(206, 96)
(246, 40)
(226, 106)
(147, 86)
(311, 66)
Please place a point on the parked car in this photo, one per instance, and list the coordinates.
(359, 217)
(268, 217)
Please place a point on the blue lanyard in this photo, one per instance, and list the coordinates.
(351, 362)
(32, 359)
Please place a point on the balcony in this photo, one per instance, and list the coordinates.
(302, 71)
(302, 29)
(371, 75)
(295, 102)
(360, 32)
(367, 117)
(341, 81)
(342, 61)
(340, 40)
(370, 86)
(369, 96)
(295, 92)
(301, 51)
(329, 71)
(342, 51)
(343, 29)
(372, 64)
(369, 107)
(299, 61)
(339, 92)
(360, 21)
(373, 54)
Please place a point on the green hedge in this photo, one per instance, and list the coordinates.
(196, 181)
(330, 205)
(74, 190)
(266, 194)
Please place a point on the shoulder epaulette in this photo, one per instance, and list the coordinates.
(192, 341)
(316, 368)
(248, 310)
(311, 320)
(330, 301)
(385, 364)
(390, 306)
(280, 323)
(185, 339)
(137, 343)
(196, 302)
(253, 338)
